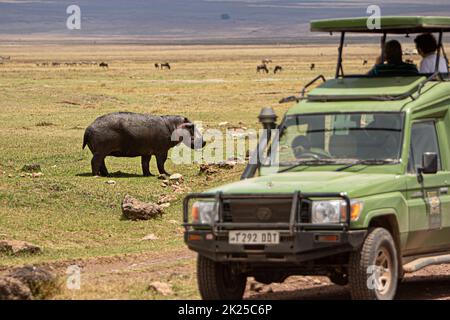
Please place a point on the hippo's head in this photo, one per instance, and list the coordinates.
(187, 133)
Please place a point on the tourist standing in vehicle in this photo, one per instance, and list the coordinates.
(427, 47)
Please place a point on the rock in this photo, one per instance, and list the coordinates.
(42, 283)
(179, 189)
(227, 164)
(256, 287)
(207, 169)
(134, 209)
(165, 183)
(176, 177)
(15, 247)
(10, 175)
(34, 167)
(110, 182)
(267, 289)
(303, 279)
(161, 288)
(37, 174)
(150, 237)
(166, 198)
(14, 289)
(238, 160)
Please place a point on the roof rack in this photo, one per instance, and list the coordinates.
(303, 92)
(413, 93)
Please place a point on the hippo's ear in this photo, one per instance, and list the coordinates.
(187, 125)
(190, 127)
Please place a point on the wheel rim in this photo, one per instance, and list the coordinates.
(384, 271)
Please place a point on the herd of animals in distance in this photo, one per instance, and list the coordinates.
(264, 67)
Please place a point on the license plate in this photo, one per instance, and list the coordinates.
(254, 237)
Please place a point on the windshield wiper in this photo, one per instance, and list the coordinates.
(369, 162)
(308, 163)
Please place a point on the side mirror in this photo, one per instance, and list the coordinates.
(429, 163)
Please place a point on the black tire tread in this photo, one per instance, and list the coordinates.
(211, 284)
(359, 262)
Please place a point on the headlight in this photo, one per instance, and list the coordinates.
(334, 211)
(204, 212)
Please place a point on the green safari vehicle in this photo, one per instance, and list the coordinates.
(353, 183)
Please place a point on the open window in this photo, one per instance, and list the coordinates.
(423, 139)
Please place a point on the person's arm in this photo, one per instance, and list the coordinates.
(424, 66)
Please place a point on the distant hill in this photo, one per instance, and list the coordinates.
(190, 21)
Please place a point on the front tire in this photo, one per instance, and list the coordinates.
(373, 270)
(218, 281)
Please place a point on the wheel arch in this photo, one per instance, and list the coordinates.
(388, 220)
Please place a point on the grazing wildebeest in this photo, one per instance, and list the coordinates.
(56, 64)
(156, 65)
(165, 66)
(277, 69)
(312, 66)
(127, 134)
(262, 67)
(103, 65)
(365, 62)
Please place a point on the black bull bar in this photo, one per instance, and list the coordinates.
(292, 226)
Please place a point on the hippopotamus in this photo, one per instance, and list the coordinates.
(127, 134)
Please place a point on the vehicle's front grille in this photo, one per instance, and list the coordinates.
(263, 210)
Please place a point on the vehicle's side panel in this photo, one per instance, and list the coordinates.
(392, 204)
(429, 201)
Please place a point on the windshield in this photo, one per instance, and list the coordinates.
(343, 138)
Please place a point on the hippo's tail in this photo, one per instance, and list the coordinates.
(86, 138)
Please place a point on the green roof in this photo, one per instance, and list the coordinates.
(434, 93)
(389, 24)
(376, 88)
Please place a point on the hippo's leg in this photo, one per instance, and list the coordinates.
(96, 164)
(145, 162)
(103, 170)
(160, 161)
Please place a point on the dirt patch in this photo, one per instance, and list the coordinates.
(110, 277)
(432, 283)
